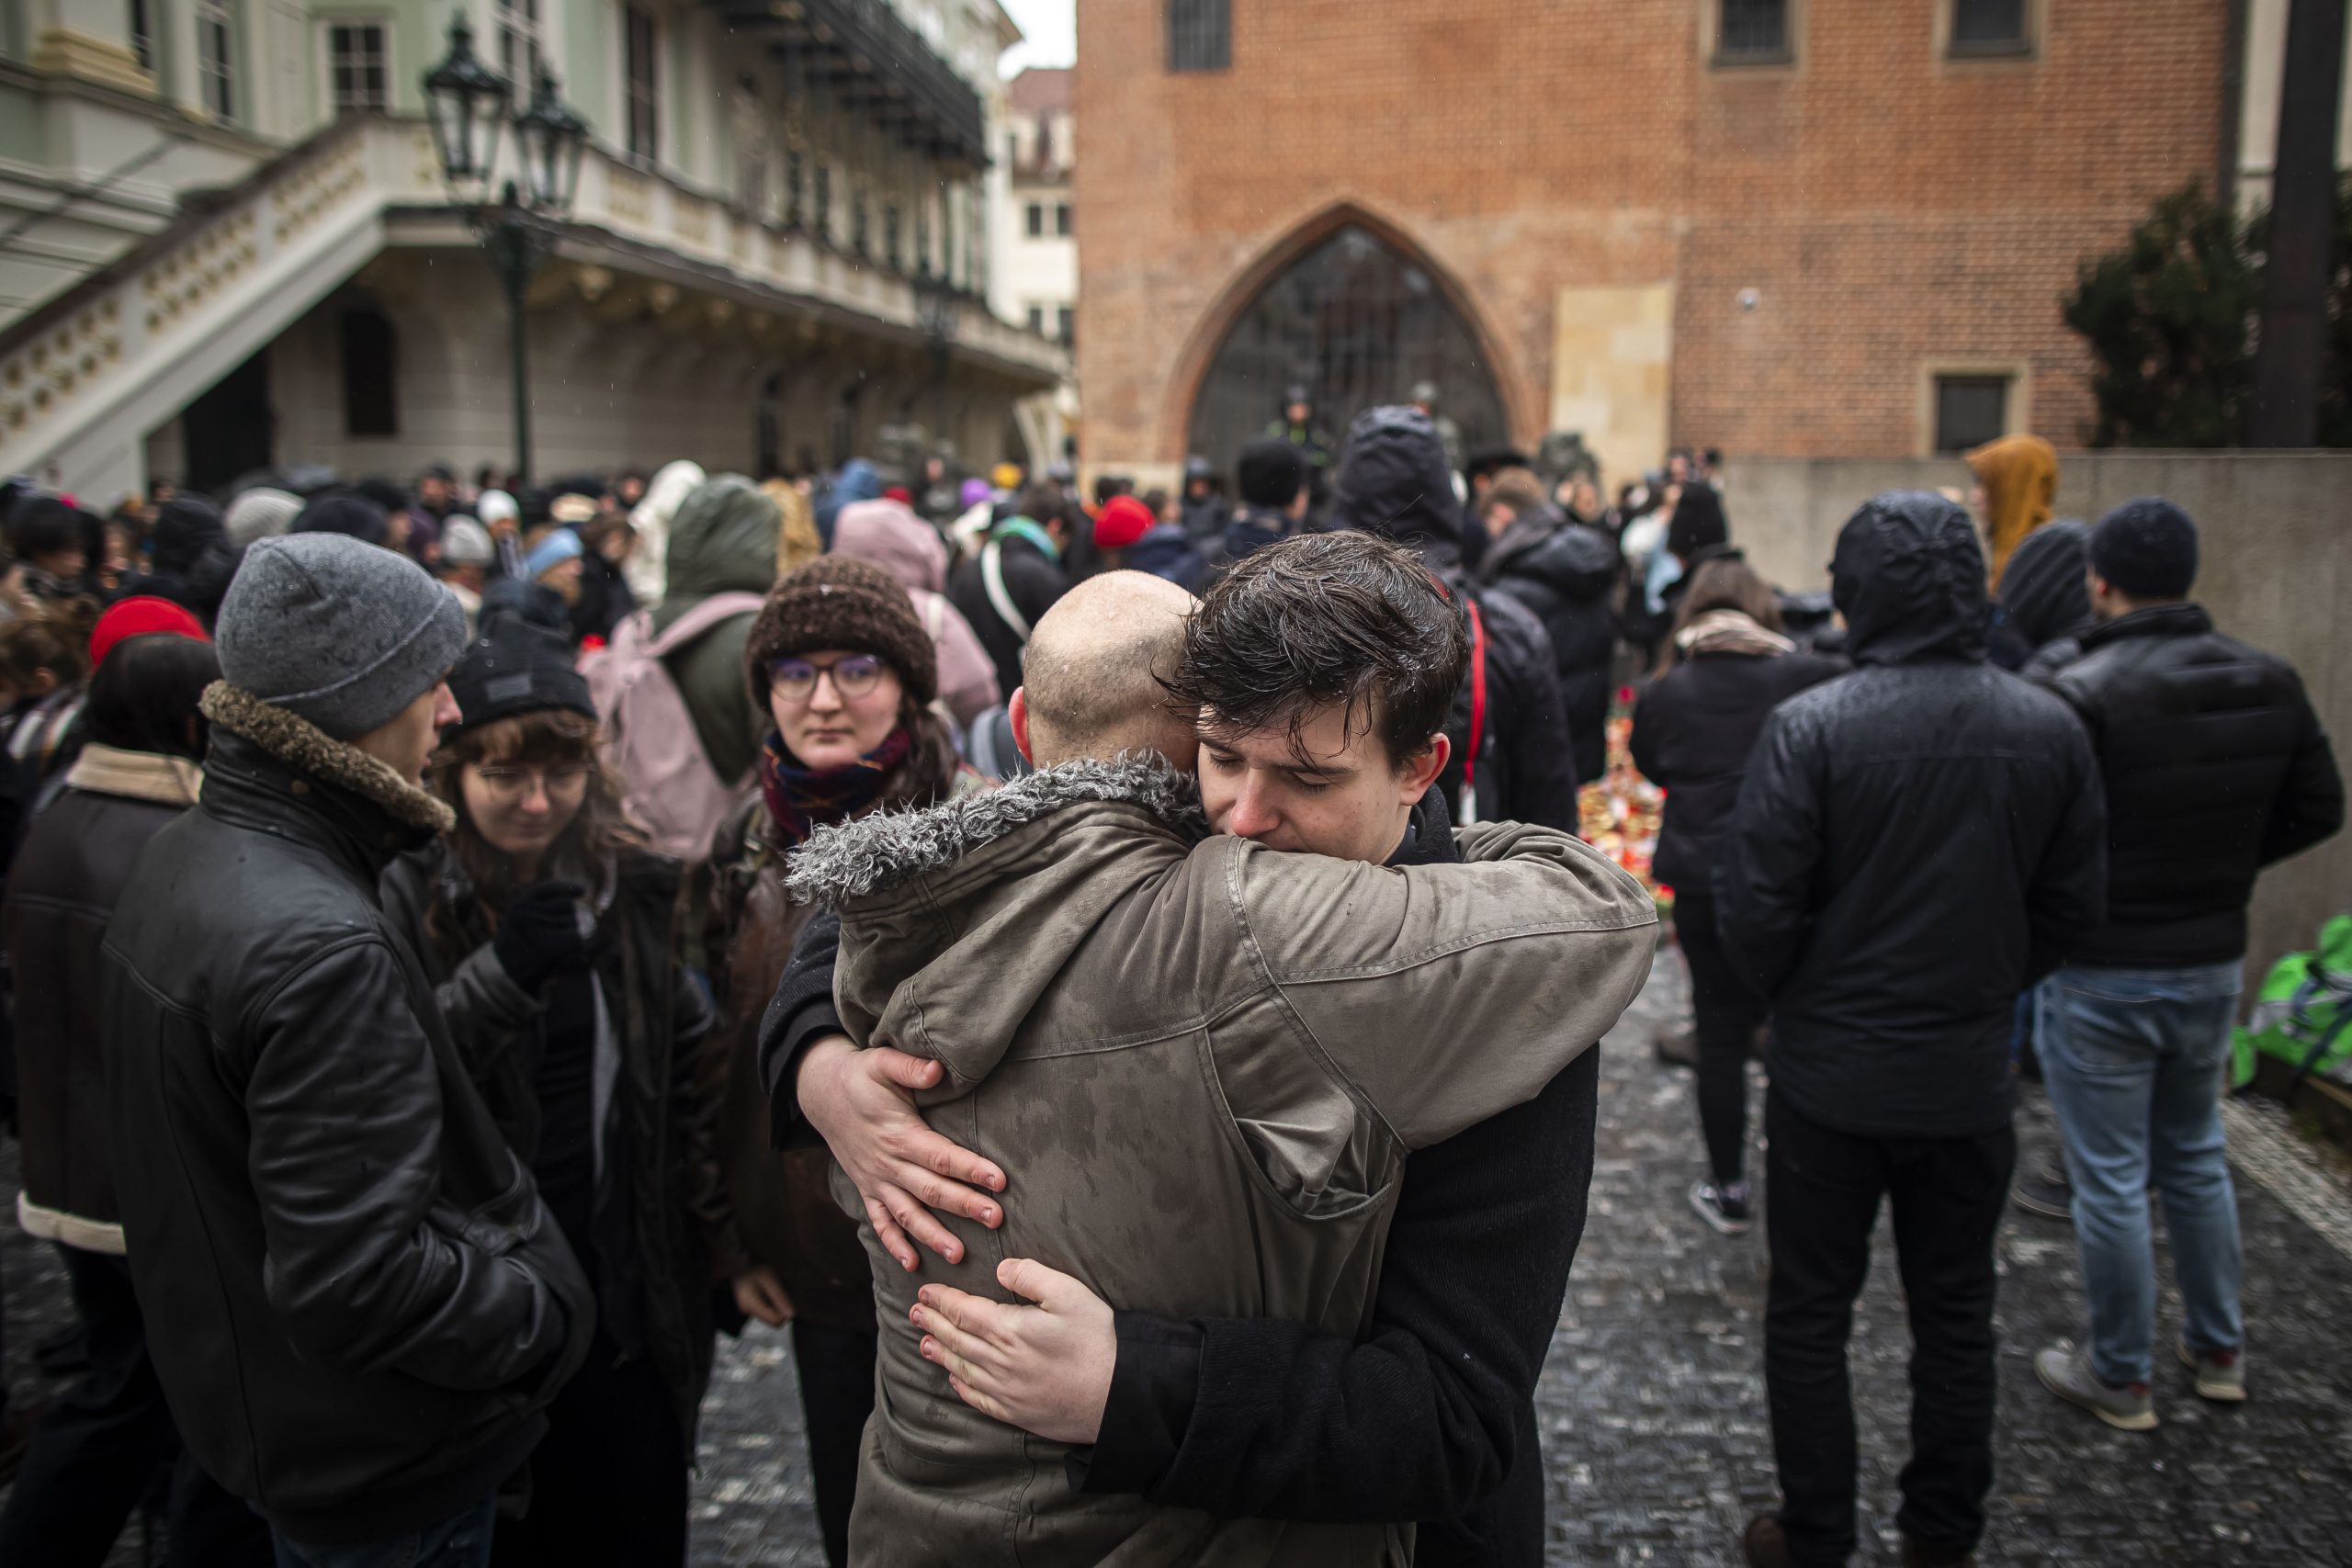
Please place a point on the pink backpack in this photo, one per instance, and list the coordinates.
(668, 785)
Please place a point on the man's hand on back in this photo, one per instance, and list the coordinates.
(863, 1104)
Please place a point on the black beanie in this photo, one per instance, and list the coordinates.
(1699, 523)
(515, 667)
(1270, 473)
(2147, 549)
(343, 511)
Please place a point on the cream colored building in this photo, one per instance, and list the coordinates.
(1035, 277)
(227, 244)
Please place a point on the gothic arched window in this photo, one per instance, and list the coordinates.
(1358, 325)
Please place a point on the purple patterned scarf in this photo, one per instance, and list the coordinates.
(801, 799)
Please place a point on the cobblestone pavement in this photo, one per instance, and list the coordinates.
(1652, 1405)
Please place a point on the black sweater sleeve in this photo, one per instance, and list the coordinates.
(1431, 1418)
(802, 1009)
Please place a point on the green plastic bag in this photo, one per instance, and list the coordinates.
(2306, 999)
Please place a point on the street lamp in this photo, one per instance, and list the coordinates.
(940, 312)
(466, 101)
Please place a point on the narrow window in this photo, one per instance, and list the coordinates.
(1068, 326)
(1062, 220)
(1037, 319)
(143, 33)
(518, 46)
(355, 66)
(1989, 26)
(370, 390)
(215, 57)
(1037, 219)
(1200, 35)
(1969, 410)
(1752, 32)
(640, 71)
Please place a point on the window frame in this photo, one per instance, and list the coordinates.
(1792, 37)
(328, 27)
(141, 24)
(641, 84)
(1211, 34)
(1034, 221)
(1036, 315)
(1066, 325)
(216, 72)
(2016, 413)
(2028, 46)
(520, 19)
(1062, 228)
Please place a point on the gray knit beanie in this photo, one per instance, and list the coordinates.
(337, 632)
(261, 514)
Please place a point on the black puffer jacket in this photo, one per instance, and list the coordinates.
(1563, 572)
(1691, 735)
(2045, 594)
(1394, 482)
(661, 1199)
(2215, 766)
(354, 1299)
(1912, 845)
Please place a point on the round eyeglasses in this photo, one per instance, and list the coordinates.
(855, 676)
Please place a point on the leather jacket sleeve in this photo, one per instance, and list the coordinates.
(2309, 805)
(1764, 877)
(367, 1266)
(486, 1008)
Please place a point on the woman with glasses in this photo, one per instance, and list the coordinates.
(841, 664)
(554, 940)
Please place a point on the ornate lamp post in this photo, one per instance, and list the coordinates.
(466, 102)
(940, 312)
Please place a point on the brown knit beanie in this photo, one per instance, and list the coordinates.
(842, 602)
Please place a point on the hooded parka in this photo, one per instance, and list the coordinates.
(1912, 845)
(1394, 483)
(723, 540)
(1563, 572)
(1206, 1061)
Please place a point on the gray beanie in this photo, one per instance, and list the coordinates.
(337, 632)
(261, 514)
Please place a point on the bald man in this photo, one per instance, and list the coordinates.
(1422, 1417)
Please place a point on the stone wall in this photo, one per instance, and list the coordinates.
(2277, 572)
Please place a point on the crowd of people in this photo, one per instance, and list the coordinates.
(1117, 976)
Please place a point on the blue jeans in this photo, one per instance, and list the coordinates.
(2133, 1060)
(462, 1540)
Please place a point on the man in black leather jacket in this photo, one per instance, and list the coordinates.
(354, 1299)
(1912, 842)
(2215, 766)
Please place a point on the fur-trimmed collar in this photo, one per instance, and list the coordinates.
(303, 746)
(135, 775)
(887, 849)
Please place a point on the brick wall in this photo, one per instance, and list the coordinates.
(1890, 209)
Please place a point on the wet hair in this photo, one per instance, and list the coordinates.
(543, 737)
(1319, 621)
(144, 696)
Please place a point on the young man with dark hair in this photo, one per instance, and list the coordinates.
(1322, 670)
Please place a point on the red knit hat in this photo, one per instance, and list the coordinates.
(144, 617)
(1124, 520)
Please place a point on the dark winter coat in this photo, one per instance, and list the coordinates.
(783, 1209)
(722, 540)
(61, 892)
(661, 1199)
(1692, 734)
(1167, 551)
(1250, 529)
(1563, 572)
(354, 1299)
(605, 600)
(1394, 483)
(1913, 843)
(1032, 579)
(2215, 766)
(2045, 594)
(1204, 517)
